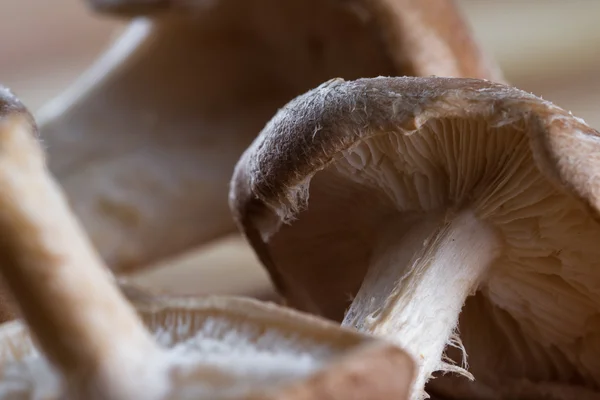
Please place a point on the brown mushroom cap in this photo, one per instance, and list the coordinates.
(419, 36)
(145, 143)
(348, 162)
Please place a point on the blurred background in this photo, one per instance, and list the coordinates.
(550, 48)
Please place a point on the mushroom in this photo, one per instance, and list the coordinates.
(96, 346)
(144, 144)
(225, 348)
(387, 203)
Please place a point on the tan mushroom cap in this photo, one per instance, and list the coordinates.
(145, 142)
(237, 349)
(95, 344)
(350, 171)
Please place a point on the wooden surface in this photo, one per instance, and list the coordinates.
(549, 47)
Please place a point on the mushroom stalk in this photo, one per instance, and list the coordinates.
(442, 261)
(58, 280)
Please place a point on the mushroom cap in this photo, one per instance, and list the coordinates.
(403, 25)
(248, 349)
(374, 154)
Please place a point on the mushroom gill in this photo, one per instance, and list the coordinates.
(547, 259)
(548, 268)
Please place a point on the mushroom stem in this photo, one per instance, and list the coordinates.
(416, 286)
(67, 296)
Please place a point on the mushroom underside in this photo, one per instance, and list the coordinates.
(535, 314)
(145, 153)
(227, 353)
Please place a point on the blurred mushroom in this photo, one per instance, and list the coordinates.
(145, 143)
(422, 192)
(214, 348)
(221, 348)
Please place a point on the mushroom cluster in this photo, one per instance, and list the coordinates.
(431, 229)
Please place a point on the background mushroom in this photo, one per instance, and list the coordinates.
(385, 203)
(240, 347)
(145, 142)
(217, 348)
